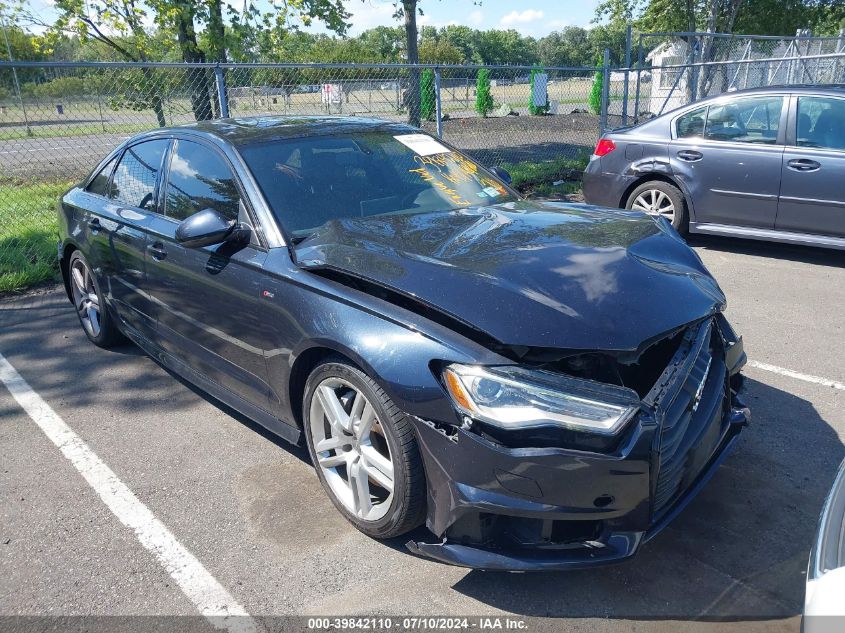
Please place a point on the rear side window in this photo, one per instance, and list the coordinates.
(99, 185)
(750, 120)
(691, 124)
(199, 179)
(821, 122)
(134, 180)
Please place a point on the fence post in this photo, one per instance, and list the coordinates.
(640, 61)
(628, 34)
(437, 103)
(220, 80)
(605, 90)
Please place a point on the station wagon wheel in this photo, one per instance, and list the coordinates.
(364, 451)
(655, 202)
(96, 320)
(659, 198)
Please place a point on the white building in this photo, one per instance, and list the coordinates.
(664, 79)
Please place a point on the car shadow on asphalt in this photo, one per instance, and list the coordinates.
(773, 250)
(739, 551)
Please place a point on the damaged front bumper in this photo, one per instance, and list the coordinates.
(525, 509)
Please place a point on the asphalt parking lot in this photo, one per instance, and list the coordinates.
(250, 509)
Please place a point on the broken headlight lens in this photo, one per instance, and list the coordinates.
(519, 398)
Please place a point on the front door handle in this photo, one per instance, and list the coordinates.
(690, 155)
(157, 251)
(803, 164)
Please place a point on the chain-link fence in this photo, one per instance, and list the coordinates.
(58, 120)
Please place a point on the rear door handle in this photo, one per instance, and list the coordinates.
(690, 155)
(803, 164)
(157, 251)
(94, 224)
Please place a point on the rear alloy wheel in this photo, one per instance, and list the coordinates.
(95, 318)
(364, 451)
(660, 199)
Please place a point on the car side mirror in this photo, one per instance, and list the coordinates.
(205, 228)
(501, 174)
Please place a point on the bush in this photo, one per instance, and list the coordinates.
(535, 109)
(483, 98)
(428, 108)
(596, 92)
(60, 87)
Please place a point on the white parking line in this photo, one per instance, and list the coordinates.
(797, 375)
(209, 596)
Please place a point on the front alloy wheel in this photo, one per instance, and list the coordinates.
(364, 451)
(352, 450)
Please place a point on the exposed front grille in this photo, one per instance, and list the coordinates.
(691, 415)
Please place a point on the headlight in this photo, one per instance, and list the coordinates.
(518, 398)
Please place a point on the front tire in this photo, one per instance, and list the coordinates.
(364, 450)
(661, 199)
(96, 320)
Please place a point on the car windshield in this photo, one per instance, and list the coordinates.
(310, 181)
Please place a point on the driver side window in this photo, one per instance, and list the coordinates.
(200, 179)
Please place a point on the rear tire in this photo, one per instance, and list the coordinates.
(660, 198)
(94, 316)
(364, 450)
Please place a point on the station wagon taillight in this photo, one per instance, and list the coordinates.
(604, 147)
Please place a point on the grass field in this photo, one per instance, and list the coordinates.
(28, 234)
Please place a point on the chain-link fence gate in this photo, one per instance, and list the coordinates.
(677, 68)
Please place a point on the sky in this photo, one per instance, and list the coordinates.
(531, 17)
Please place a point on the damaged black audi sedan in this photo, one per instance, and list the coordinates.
(545, 384)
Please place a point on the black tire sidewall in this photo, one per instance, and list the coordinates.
(336, 368)
(681, 219)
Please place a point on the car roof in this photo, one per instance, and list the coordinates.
(261, 129)
(822, 89)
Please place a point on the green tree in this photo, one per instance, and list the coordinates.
(406, 10)
(427, 96)
(200, 33)
(463, 39)
(506, 47)
(569, 47)
(532, 107)
(439, 52)
(483, 98)
(596, 91)
(119, 25)
(386, 41)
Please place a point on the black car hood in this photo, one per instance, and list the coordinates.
(533, 274)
